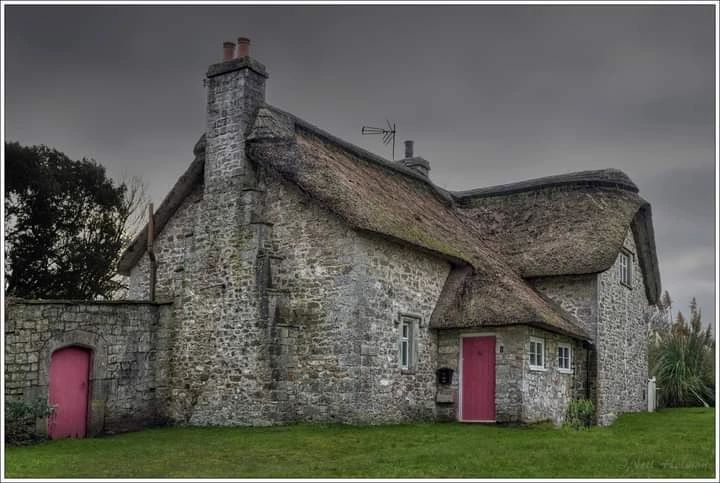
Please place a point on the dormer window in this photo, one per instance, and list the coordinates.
(625, 268)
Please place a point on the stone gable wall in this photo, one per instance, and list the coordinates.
(130, 344)
(340, 294)
(576, 294)
(209, 257)
(621, 340)
(180, 241)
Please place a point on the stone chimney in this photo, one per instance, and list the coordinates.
(235, 91)
(416, 163)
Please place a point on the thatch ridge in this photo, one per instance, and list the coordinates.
(358, 151)
(603, 177)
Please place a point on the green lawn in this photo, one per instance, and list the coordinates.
(670, 443)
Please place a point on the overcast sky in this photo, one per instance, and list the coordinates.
(490, 94)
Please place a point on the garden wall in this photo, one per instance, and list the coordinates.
(130, 344)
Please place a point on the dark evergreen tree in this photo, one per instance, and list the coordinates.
(65, 225)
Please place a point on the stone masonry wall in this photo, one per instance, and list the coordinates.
(521, 394)
(577, 294)
(130, 344)
(179, 242)
(209, 255)
(547, 393)
(622, 340)
(340, 295)
(509, 343)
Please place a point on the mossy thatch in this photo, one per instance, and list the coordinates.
(493, 237)
(565, 225)
(383, 198)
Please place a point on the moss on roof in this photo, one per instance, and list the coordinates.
(379, 197)
(558, 225)
(574, 227)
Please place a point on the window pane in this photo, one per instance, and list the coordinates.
(405, 330)
(532, 359)
(404, 353)
(540, 355)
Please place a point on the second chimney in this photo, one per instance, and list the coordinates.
(243, 47)
(409, 149)
(416, 163)
(228, 51)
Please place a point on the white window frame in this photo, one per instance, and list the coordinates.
(625, 266)
(569, 368)
(406, 343)
(536, 366)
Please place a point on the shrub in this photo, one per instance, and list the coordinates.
(580, 414)
(20, 417)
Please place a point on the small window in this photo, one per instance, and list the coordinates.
(407, 343)
(625, 268)
(537, 353)
(564, 358)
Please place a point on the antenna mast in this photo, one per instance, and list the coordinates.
(388, 135)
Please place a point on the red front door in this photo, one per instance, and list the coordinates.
(69, 372)
(478, 379)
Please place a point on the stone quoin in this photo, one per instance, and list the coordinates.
(302, 278)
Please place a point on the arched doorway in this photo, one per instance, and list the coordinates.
(69, 381)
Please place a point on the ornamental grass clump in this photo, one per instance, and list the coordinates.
(682, 360)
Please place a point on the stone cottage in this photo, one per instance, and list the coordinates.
(292, 276)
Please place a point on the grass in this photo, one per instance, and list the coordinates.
(669, 443)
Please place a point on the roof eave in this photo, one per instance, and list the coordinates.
(192, 177)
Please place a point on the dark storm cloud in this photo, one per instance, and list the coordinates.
(491, 94)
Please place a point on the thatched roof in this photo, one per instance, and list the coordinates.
(560, 225)
(372, 194)
(493, 237)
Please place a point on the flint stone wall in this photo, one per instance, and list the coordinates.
(622, 340)
(130, 343)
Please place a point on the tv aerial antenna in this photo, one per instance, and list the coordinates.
(388, 135)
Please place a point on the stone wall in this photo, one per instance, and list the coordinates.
(547, 393)
(178, 244)
(621, 340)
(509, 343)
(577, 294)
(130, 344)
(521, 394)
(210, 255)
(340, 296)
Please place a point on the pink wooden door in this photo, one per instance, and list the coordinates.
(478, 379)
(69, 371)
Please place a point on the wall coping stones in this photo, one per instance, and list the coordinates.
(21, 301)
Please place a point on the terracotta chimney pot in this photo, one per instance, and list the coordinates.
(243, 47)
(228, 51)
